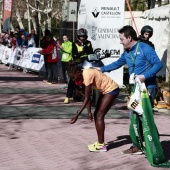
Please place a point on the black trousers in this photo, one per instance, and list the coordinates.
(70, 88)
(52, 72)
(65, 71)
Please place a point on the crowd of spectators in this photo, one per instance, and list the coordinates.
(19, 38)
(23, 39)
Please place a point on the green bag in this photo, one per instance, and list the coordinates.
(145, 136)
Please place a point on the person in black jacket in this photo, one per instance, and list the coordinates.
(146, 34)
(82, 47)
(80, 50)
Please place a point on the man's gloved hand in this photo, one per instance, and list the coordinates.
(85, 49)
(81, 53)
(75, 56)
(141, 78)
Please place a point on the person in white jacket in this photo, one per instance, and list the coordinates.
(31, 42)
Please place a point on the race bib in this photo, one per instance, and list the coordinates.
(54, 53)
(64, 56)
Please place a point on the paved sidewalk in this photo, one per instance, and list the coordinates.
(35, 133)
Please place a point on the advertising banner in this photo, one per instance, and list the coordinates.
(36, 60)
(7, 14)
(6, 55)
(27, 59)
(102, 19)
(2, 49)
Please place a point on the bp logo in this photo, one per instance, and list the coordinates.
(95, 12)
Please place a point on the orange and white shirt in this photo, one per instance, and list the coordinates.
(99, 81)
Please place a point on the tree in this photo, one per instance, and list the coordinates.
(136, 5)
(41, 12)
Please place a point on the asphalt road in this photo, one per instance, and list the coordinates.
(35, 133)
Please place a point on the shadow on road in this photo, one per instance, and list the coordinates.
(120, 141)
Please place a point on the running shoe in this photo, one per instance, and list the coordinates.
(91, 145)
(65, 87)
(54, 82)
(97, 148)
(133, 150)
(66, 100)
(47, 82)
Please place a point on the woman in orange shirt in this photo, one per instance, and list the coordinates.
(109, 91)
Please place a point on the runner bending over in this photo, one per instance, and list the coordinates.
(109, 91)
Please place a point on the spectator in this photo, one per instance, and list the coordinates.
(146, 34)
(18, 39)
(31, 42)
(142, 61)
(2, 40)
(7, 39)
(66, 51)
(14, 40)
(24, 42)
(43, 39)
(17, 29)
(51, 58)
(23, 32)
(109, 91)
(43, 44)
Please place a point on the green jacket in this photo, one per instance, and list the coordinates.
(66, 51)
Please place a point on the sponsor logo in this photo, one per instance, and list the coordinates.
(114, 53)
(107, 12)
(134, 104)
(104, 33)
(95, 12)
(6, 55)
(146, 124)
(73, 11)
(136, 130)
(36, 58)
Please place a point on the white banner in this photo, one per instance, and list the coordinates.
(5, 54)
(25, 58)
(36, 60)
(1, 49)
(102, 19)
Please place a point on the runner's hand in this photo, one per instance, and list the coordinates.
(74, 119)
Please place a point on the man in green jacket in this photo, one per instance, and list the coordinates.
(66, 50)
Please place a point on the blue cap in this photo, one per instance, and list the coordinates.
(22, 30)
